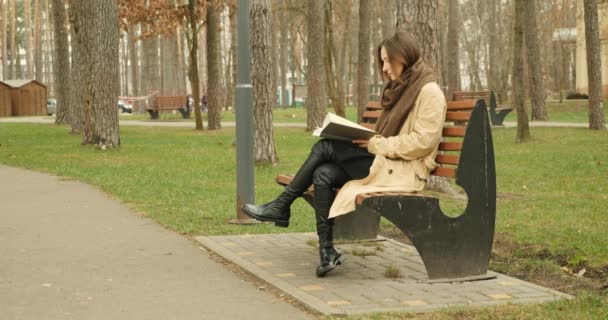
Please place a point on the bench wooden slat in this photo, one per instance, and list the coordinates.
(450, 146)
(373, 105)
(447, 159)
(454, 131)
(444, 172)
(461, 105)
(369, 125)
(458, 116)
(372, 114)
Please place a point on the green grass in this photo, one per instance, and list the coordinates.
(584, 307)
(566, 111)
(552, 191)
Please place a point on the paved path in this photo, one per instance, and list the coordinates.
(287, 261)
(188, 124)
(68, 251)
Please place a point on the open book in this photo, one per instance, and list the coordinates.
(338, 128)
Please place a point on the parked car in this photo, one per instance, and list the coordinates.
(124, 107)
(51, 106)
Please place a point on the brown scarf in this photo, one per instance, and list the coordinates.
(399, 97)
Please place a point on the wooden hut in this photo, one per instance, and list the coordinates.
(6, 106)
(28, 97)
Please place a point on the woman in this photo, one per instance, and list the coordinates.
(398, 159)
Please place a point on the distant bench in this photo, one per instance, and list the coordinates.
(452, 249)
(497, 115)
(163, 103)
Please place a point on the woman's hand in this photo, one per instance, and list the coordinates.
(361, 143)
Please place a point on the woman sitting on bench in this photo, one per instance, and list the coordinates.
(398, 159)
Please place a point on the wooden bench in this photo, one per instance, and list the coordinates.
(452, 249)
(164, 103)
(497, 115)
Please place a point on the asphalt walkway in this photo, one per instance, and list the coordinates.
(69, 251)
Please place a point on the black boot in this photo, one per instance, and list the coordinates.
(277, 211)
(329, 257)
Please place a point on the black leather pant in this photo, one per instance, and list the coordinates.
(329, 166)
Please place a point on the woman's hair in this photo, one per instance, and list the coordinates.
(401, 47)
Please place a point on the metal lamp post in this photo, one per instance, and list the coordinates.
(244, 118)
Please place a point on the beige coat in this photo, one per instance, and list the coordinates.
(402, 162)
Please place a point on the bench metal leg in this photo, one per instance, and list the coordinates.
(453, 247)
(153, 114)
(185, 113)
(497, 118)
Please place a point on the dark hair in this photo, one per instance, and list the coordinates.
(402, 47)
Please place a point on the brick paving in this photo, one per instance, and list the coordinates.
(287, 261)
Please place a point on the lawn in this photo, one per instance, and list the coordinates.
(552, 195)
(566, 111)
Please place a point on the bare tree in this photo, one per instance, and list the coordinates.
(453, 56)
(388, 18)
(99, 70)
(61, 63)
(537, 94)
(315, 76)
(283, 43)
(594, 65)
(27, 17)
(214, 87)
(427, 15)
(406, 15)
(363, 61)
(261, 79)
(4, 8)
(37, 40)
(133, 44)
(523, 129)
(13, 49)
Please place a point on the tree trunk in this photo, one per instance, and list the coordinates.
(234, 52)
(76, 86)
(13, 49)
(151, 74)
(27, 16)
(284, 42)
(364, 56)
(342, 78)
(261, 80)
(193, 74)
(594, 65)
(105, 87)
(4, 8)
(133, 50)
(99, 70)
(61, 63)
(388, 19)
(537, 94)
(523, 130)
(492, 47)
(37, 40)
(315, 76)
(48, 53)
(330, 62)
(274, 51)
(406, 15)
(427, 15)
(453, 55)
(214, 87)
(181, 62)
